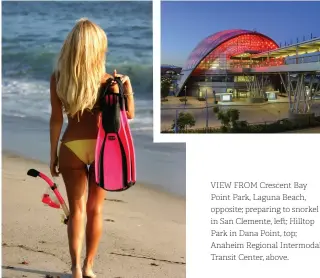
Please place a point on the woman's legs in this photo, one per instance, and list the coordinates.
(74, 173)
(95, 202)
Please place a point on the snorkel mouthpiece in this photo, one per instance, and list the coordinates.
(33, 173)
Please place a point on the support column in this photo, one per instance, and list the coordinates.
(300, 109)
(302, 98)
(257, 88)
(287, 88)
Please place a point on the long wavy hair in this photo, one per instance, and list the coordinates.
(81, 66)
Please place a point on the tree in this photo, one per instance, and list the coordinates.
(229, 119)
(233, 115)
(165, 87)
(224, 118)
(216, 109)
(184, 120)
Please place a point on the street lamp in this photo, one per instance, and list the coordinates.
(207, 112)
(214, 95)
(198, 91)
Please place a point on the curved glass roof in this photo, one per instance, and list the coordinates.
(209, 43)
(221, 43)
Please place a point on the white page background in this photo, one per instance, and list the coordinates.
(270, 158)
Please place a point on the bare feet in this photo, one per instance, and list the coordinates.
(76, 272)
(87, 271)
(89, 274)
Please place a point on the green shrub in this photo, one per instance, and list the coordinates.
(227, 118)
(234, 115)
(165, 88)
(224, 118)
(231, 124)
(256, 128)
(216, 109)
(184, 121)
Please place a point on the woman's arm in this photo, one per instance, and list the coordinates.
(130, 104)
(56, 121)
(128, 92)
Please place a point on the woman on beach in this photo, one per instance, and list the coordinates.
(74, 89)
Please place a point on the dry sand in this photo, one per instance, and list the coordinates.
(144, 230)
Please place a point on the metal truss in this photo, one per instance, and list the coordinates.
(300, 88)
(256, 85)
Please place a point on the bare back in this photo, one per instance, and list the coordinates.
(81, 126)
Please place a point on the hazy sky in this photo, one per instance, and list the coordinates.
(185, 23)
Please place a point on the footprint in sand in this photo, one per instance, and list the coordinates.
(9, 267)
(153, 264)
(115, 200)
(109, 220)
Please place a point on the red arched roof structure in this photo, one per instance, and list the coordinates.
(223, 45)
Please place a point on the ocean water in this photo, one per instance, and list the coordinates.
(32, 35)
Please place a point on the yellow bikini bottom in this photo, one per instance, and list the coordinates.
(84, 149)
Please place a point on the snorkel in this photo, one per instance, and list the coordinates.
(46, 199)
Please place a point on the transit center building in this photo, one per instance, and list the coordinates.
(211, 68)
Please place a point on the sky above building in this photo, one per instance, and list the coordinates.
(184, 23)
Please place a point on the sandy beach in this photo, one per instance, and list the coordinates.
(144, 230)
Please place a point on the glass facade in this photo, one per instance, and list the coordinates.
(225, 50)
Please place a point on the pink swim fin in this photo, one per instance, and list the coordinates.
(114, 156)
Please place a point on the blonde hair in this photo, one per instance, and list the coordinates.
(81, 66)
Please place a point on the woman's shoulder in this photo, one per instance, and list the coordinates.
(53, 83)
(54, 77)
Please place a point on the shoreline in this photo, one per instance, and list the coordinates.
(30, 138)
(156, 188)
(143, 231)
